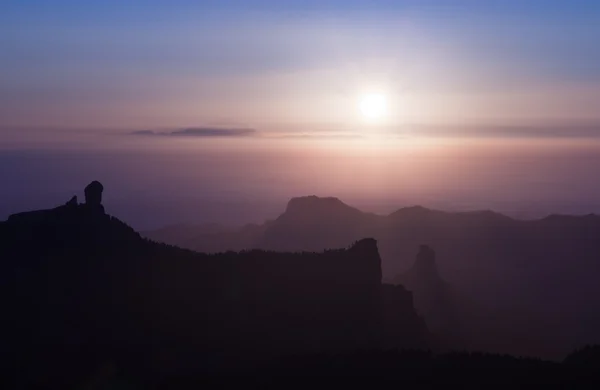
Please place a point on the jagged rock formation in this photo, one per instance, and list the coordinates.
(434, 298)
(93, 193)
(72, 202)
(400, 319)
(425, 267)
(81, 280)
(93, 196)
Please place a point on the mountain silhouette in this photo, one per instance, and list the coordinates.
(313, 223)
(312, 207)
(524, 274)
(433, 296)
(81, 287)
(87, 301)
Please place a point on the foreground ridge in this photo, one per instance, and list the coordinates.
(85, 286)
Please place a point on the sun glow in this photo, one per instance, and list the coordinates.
(373, 107)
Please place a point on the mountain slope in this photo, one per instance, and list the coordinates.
(80, 286)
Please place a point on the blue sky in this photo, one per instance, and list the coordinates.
(269, 63)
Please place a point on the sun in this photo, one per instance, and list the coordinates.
(373, 107)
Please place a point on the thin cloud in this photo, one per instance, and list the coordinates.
(483, 131)
(143, 132)
(200, 132)
(316, 135)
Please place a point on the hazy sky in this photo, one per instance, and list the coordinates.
(490, 104)
(296, 64)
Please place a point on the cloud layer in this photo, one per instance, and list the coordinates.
(200, 132)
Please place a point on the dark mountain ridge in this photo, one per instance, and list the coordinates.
(80, 286)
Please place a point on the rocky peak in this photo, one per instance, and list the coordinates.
(72, 202)
(366, 245)
(70, 226)
(413, 212)
(93, 193)
(367, 254)
(303, 202)
(424, 266)
(314, 206)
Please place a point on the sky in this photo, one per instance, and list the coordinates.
(223, 110)
(287, 64)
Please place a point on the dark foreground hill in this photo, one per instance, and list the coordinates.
(80, 287)
(88, 303)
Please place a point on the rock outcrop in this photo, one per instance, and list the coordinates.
(433, 297)
(401, 321)
(93, 193)
(425, 267)
(80, 279)
(73, 228)
(92, 205)
(72, 202)
(93, 197)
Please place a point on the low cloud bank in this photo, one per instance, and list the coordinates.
(200, 132)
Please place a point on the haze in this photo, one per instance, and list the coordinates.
(488, 106)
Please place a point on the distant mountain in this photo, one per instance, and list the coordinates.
(312, 223)
(80, 287)
(462, 323)
(534, 269)
(433, 295)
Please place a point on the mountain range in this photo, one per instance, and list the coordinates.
(80, 287)
(537, 276)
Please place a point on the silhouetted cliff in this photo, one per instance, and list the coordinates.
(434, 298)
(81, 285)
